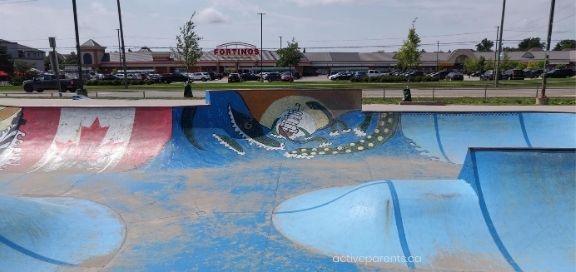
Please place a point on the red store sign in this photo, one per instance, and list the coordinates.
(236, 49)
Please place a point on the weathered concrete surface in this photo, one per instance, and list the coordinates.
(196, 187)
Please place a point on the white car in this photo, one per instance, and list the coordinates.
(203, 76)
(374, 73)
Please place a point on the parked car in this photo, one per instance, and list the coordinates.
(174, 77)
(49, 82)
(199, 76)
(453, 76)
(133, 76)
(287, 77)
(560, 73)
(489, 75)
(360, 75)
(341, 76)
(234, 77)
(513, 74)
(109, 77)
(439, 75)
(477, 73)
(215, 76)
(332, 74)
(296, 75)
(249, 77)
(374, 73)
(153, 78)
(529, 73)
(273, 77)
(413, 74)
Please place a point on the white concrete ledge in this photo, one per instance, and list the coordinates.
(466, 108)
(105, 103)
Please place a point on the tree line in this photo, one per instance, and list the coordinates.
(526, 44)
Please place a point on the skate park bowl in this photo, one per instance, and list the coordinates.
(285, 180)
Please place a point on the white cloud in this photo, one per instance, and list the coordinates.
(98, 8)
(211, 16)
(306, 3)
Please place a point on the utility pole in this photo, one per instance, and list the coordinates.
(261, 77)
(123, 47)
(437, 58)
(280, 42)
(542, 99)
(80, 90)
(496, 43)
(497, 74)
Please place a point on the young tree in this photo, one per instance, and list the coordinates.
(474, 64)
(289, 56)
(535, 64)
(409, 56)
(187, 47)
(485, 46)
(6, 62)
(565, 44)
(530, 43)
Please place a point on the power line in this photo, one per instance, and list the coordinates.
(13, 2)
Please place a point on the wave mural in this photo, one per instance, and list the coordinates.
(241, 126)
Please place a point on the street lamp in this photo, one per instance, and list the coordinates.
(261, 77)
(80, 90)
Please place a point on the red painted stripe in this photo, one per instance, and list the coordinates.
(39, 126)
(152, 129)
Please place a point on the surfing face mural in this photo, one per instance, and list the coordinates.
(293, 124)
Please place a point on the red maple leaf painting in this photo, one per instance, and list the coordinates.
(90, 150)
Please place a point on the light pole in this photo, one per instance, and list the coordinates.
(80, 90)
(261, 77)
(542, 99)
(437, 58)
(119, 46)
(123, 47)
(500, 43)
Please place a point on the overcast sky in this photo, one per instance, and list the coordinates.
(318, 25)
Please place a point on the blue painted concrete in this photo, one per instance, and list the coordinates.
(513, 210)
(447, 136)
(38, 234)
(344, 221)
(529, 199)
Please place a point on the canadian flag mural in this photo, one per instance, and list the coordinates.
(92, 139)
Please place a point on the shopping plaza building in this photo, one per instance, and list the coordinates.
(243, 57)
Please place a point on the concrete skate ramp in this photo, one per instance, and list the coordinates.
(528, 201)
(245, 126)
(448, 136)
(43, 234)
(196, 187)
(513, 210)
